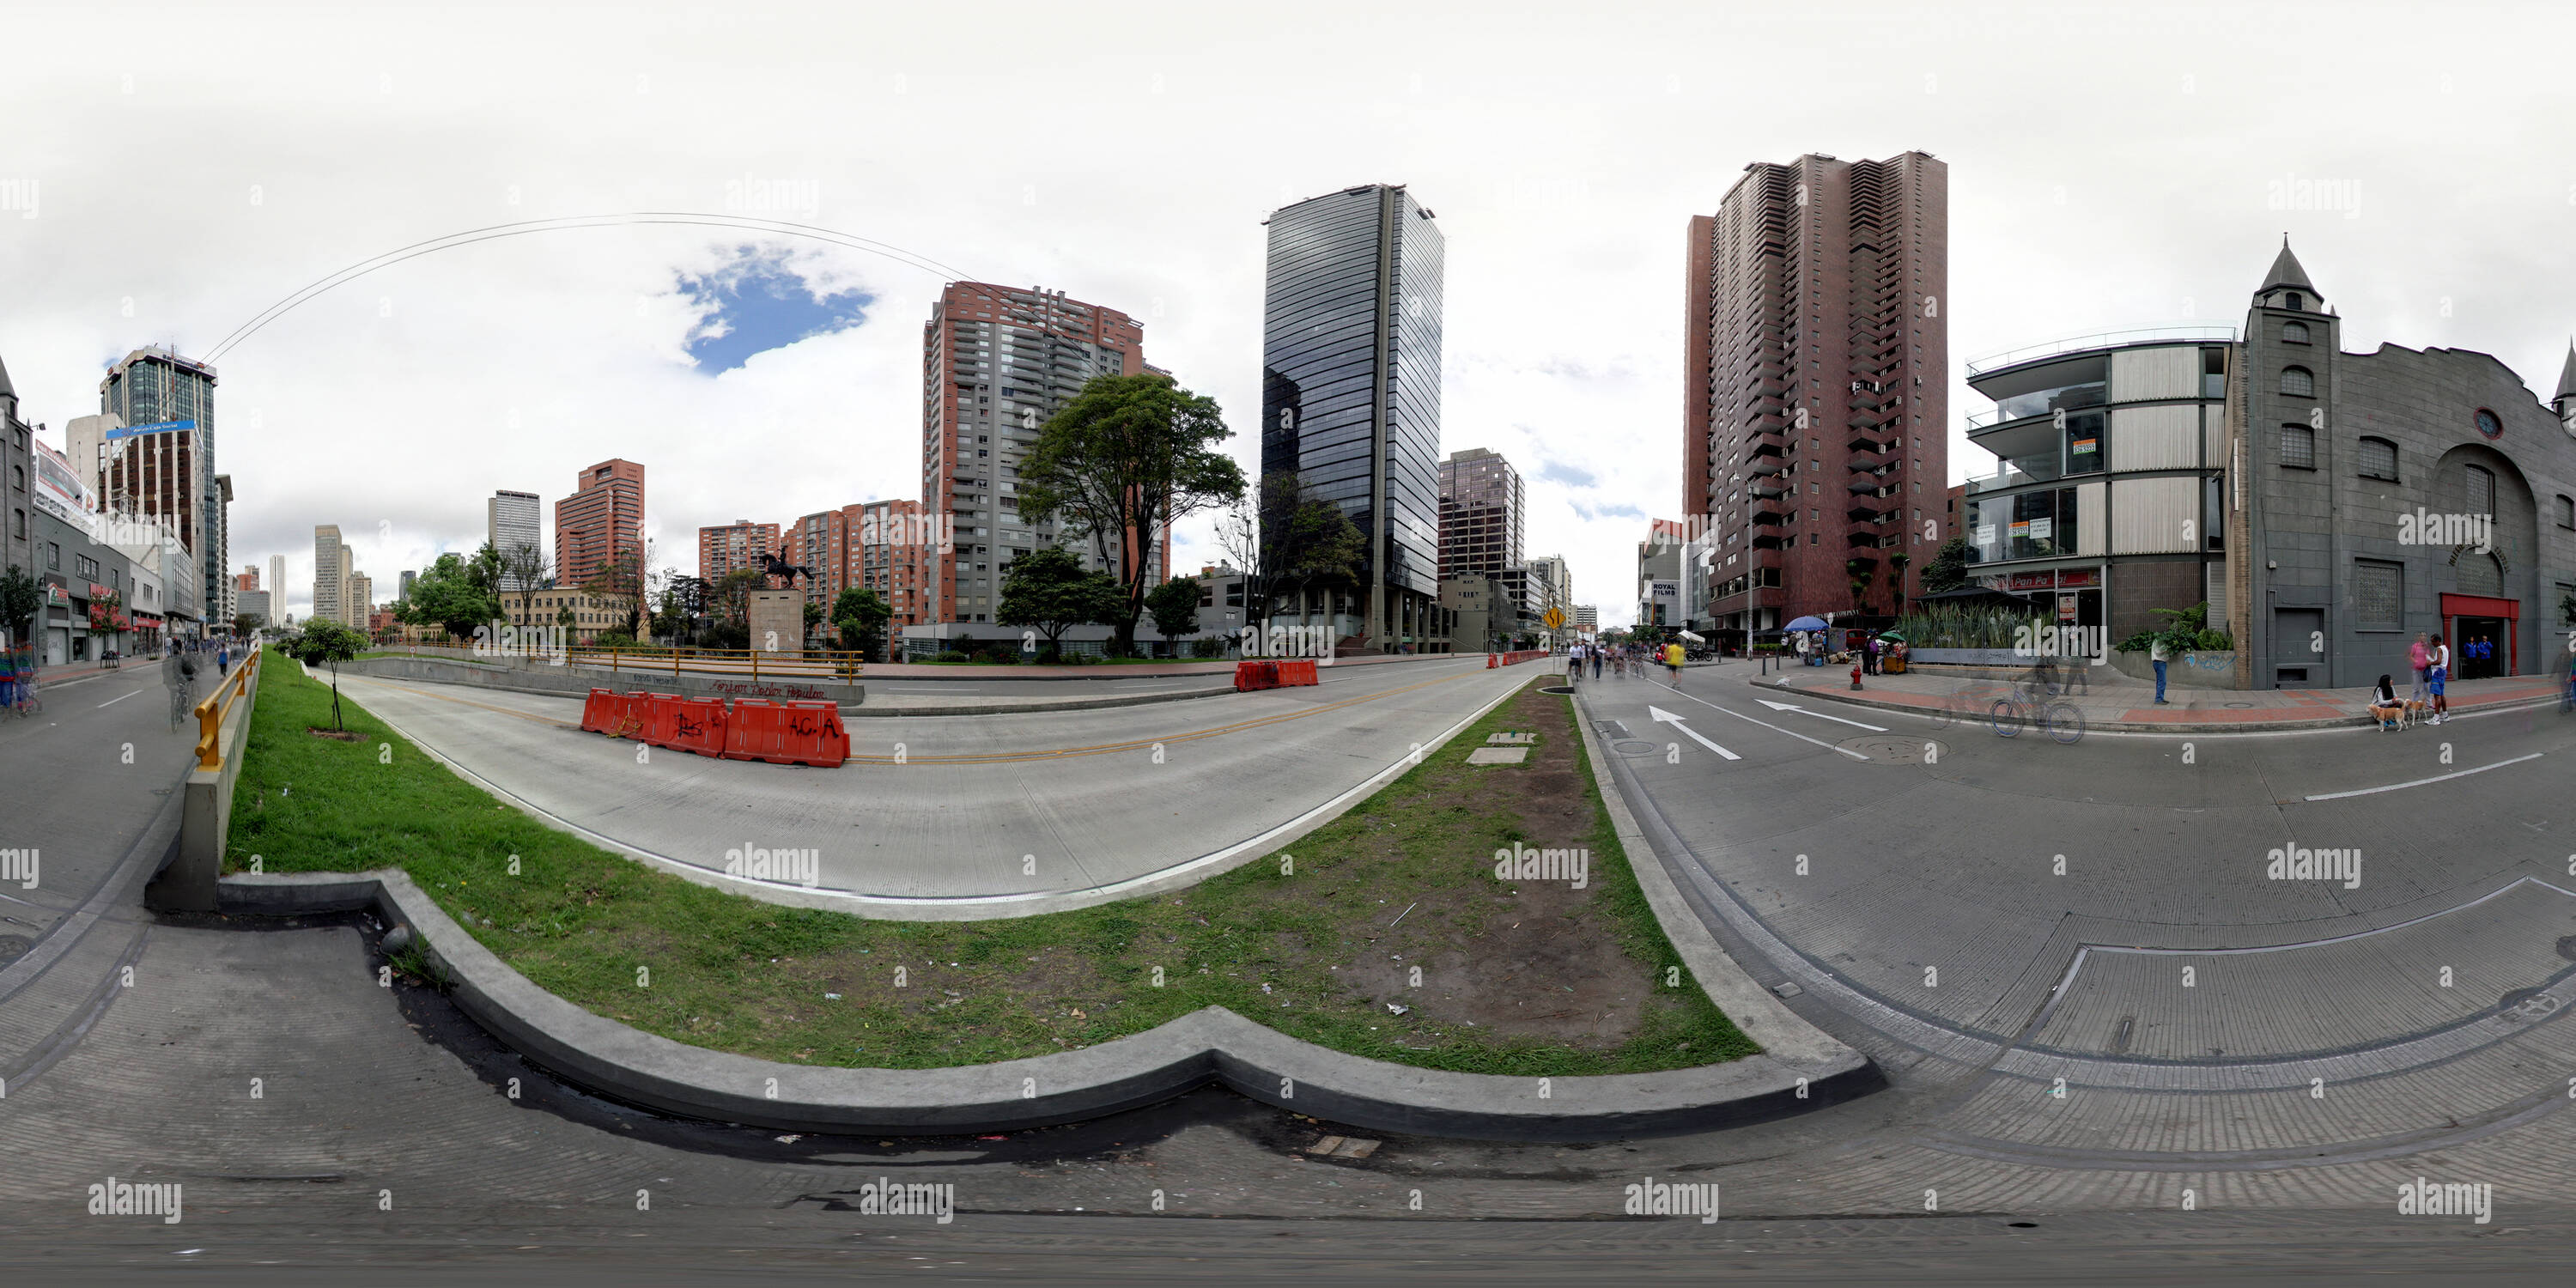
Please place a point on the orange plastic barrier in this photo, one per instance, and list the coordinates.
(1514, 658)
(654, 714)
(1491, 661)
(799, 733)
(1255, 675)
(698, 725)
(1299, 672)
(619, 715)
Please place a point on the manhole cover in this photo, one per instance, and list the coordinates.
(1892, 750)
(2527, 1004)
(13, 947)
(1633, 747)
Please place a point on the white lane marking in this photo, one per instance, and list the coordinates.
(113, 701)
(1666, 717)
(1764, 723)
(1788, 706)
(2366, 791)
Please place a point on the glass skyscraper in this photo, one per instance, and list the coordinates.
(1350, 390)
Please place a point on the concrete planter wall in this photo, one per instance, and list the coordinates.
(2199, 669)
(1968, 657)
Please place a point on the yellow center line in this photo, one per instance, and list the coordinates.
(1101, 749)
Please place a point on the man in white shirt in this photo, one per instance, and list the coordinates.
(2436, 676)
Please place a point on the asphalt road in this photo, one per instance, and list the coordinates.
(997, 815)
(381, 1140)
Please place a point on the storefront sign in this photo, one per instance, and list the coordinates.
(2078, 577)
(2030, 581)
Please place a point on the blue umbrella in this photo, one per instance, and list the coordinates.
(1807, 624)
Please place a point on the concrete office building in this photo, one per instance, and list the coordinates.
(359, 600)
(997, 363)
(2103, 505)
(601, 522)
(510, 520)
(254, 605)
(402, 585)
(1815, 397)
(329, 556)
(160, 458)
(277, 587)
(1350, 396)
(1481, 509)
(1587, 618)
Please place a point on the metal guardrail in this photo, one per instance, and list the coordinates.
(800, 663)
(218, 704)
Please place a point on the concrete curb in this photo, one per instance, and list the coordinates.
(1785, 1035)
(493, 677)
(1210, 1045)
(2091, 725)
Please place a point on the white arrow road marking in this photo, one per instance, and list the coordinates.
(1790, 706)
(1666, 717)
(1764, 723)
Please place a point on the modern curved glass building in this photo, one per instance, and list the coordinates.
(1350, 396)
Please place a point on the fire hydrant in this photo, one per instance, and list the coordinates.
(1855, 672)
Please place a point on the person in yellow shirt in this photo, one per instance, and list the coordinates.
(1673, 659)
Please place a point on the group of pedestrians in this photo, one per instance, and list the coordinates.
(1621, 660)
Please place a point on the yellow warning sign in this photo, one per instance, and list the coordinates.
(1555, 619)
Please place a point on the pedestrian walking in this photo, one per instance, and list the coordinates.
(1673, 660)
(1595, 651)
(2437, 676)
(223, 660)
(2156, 654)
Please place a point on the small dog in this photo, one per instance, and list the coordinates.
(2416, 709)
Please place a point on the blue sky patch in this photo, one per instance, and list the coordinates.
(757, 302)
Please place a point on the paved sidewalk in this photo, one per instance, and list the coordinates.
(2116, 702)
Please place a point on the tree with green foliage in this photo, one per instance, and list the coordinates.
(21, 598)
(1048, 588)
(1949, 567)
(860, 614)
(1303, 544)
(1125, 460)
(328, 643)
(1175, 607)
(244, 624)
(451, 594)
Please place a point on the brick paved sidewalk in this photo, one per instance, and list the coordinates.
(2110, 700)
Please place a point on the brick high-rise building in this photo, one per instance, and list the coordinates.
(739, 544)
(997, 362)
(1816, 388)
(601, 520)
(884, 546)
(1480, 514)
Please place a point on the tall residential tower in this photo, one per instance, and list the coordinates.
(1815, 394)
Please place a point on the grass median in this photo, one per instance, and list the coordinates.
(1385, 933)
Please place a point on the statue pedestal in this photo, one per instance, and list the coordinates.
(777, 621)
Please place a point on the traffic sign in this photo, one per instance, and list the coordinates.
(1555, 619)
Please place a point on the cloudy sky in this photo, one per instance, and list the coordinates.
(169, 173)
